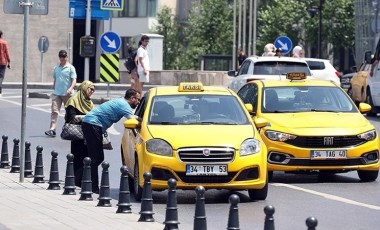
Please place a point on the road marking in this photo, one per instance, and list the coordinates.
(46, 104)
(328, 196)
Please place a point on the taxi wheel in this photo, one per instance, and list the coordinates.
(368, 176)
(122, 155)
(137, 190)
(259, 194)
(270, 176)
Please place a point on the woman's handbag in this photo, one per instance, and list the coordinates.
(107, 141)
(72, 132)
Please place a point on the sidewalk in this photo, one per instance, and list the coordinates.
(30, 206)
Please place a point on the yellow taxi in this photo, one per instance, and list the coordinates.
(198, 135)
(313, 125)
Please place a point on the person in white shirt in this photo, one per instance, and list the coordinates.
(143, 61)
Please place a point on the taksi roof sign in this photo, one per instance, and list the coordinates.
(112, 4)
(284, 43)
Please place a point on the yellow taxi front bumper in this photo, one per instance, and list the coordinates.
(286, 157)
(247, 172)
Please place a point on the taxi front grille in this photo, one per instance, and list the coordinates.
(206, 179)
(326, 142)
(206, 155)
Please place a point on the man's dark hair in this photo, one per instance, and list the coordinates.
(1, 33)
(144, 37)
(130, 93)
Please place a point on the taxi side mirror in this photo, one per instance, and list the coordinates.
(249, 107)
(260, 122)
(364, 107)
(132, 123)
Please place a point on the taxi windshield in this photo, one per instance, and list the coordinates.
(197, 109)
(304, 99)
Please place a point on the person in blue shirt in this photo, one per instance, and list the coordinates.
(98, 120)
(65, 78)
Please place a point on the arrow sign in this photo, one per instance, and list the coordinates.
(110, 42)
(284, 43)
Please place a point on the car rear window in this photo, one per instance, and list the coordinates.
(316, 65)
(279, 68)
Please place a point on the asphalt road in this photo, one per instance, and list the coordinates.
(339, 202)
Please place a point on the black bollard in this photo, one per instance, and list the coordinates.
(69, 188)
(15, 168)
(124, 204)
(233, 216)
(86, 186)
(269, 220)
(171, 218)
(4, 163)
(54, 173)
(39, 168)
(200, 222)
(104, 191)
(28, 172)
(146, 213)
(311, 223)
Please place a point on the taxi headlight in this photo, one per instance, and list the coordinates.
(368, 136)
(249, 147)
(160, 147)
(278, 136)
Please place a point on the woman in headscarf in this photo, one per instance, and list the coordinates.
(76, 108)
(297, 52)
(269, 50)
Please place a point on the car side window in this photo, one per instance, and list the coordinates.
(244, 68)
(140, 110)
(248, 95)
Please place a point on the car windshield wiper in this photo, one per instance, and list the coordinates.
(163, 123)
(324, 110)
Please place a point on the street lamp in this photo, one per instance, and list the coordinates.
(313, 10)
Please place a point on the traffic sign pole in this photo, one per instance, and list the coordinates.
(88, 33)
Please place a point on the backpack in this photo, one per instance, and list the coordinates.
(130, 62)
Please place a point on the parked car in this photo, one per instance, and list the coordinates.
(254, 68)
(313, 126)
(322, 69)
(345, 82)
(199, 135)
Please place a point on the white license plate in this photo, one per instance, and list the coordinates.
(328, 154)
(199, 170)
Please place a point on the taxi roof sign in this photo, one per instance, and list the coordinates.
(190, 87)
(296, 76)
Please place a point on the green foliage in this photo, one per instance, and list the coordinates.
(208, 31)
(280, 17)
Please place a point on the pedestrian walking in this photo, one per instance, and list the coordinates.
(5, 60)
(98, 120)
(297, 52)
(131, 65)
(143, 67)
(65, 78)
(76, 108)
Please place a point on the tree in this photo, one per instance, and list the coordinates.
(281, 17)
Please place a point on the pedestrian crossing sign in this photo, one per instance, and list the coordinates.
(112, 4)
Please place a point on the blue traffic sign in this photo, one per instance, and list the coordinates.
(112, 4)
(110, 42)
(284, 43)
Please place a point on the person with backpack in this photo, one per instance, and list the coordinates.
(131, 65)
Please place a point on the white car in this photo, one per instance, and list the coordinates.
(257, 68)
(322, 69)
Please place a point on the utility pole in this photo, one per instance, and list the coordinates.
(88, 33)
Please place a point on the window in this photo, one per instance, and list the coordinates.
(137, 8)
(316, 65)
(279, 68)
(248, 94)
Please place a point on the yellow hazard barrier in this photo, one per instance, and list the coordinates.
(109, 68)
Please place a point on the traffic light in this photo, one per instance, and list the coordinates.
(87, 46)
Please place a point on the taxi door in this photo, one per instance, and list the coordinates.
(132, 136)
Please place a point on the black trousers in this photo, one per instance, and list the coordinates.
(79, 150)
(94, 138)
